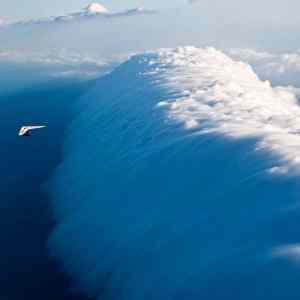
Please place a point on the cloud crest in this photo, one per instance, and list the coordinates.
(220, 95)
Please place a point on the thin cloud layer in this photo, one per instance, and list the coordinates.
(92, 11)
(63, 63)
(62, 57)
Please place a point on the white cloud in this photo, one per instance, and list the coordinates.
(94, 10)
(61, 63)
(281, 69)
(291, 252)
(62, 57)
(220, 95)
(278, 170)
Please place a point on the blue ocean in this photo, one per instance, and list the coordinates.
(173, 175)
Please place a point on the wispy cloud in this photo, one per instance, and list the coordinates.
(95, 10)
(291, 252)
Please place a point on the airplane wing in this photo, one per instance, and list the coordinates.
(26, 129)
(34, 127)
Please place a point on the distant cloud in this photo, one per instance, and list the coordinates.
(94, 10)
(63, 57)
(283, 69)
(63, 63)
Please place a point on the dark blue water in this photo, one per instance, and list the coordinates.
(27, 271)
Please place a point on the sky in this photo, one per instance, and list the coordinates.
(260, 24)
(42, 8)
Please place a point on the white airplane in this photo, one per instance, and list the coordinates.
(25, 130)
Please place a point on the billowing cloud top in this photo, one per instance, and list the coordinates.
(91, 11)
(283, 68)
(221, 95)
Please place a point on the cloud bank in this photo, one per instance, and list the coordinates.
(197, 146)
(59, 57)
(57, 63)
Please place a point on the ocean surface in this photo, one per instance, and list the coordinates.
(175, 176)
